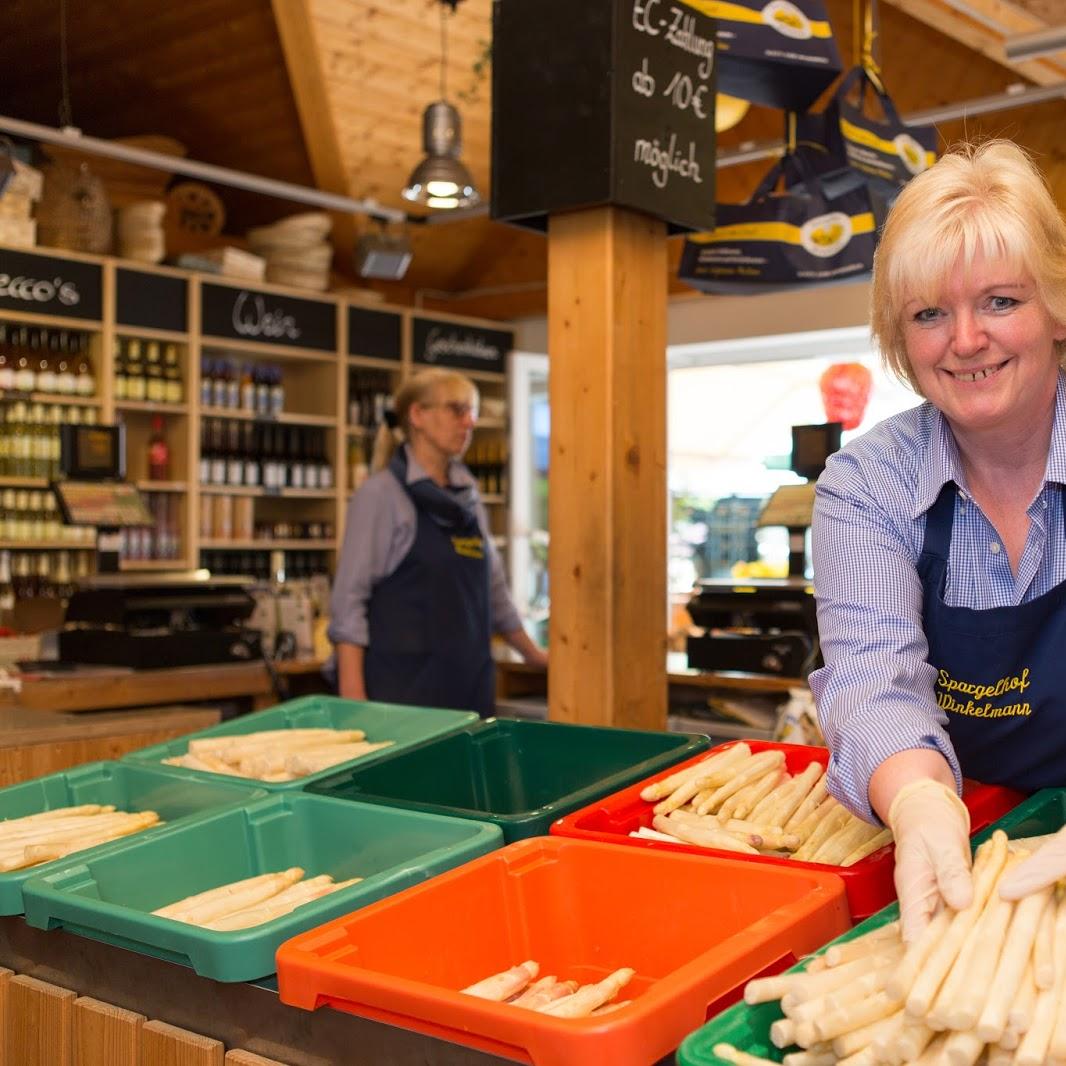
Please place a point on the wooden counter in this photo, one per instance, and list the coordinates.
(517, 679)
(41, 742)
(101, 688)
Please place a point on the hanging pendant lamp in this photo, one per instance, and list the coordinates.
(441, 180)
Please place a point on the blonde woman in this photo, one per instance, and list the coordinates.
(939, 536)
(420, 588)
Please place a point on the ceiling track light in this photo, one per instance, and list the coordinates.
(441, 181)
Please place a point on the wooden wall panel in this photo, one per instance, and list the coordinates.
(167, 1045)
(5, 980)
(246, 1058)
(105, 1035)
(38, 1030)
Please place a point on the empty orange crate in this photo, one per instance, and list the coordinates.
(868, 882)
(694, 929)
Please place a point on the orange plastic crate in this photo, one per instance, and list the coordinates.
(868, 882)
(694, 929)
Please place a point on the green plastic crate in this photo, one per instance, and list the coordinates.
(130, 788)
(748, 1028)
(402, 725)
(516, 774)
(110, 898)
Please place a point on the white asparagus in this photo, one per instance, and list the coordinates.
(861, 945)
(783, 1032)
(948, 948)
(283, 903)
(502, 986)
(661, 789)
(1043, 953)
(835, 1023)
(705, 838)
(963, 1048)
(745, 801)
(834, 817)
(310, 762)
(966, 1006)
(1057, 1041)
(1012, 964)
(1020, 1015)
(884, 1028)
(225, 899)
(781, 789)
(875, 843)
(788, 804)
(534, 998)
(587, 999)
(755, 767)
(908, 1044)
(809, 1058)
(740, 1058)
(810, 802)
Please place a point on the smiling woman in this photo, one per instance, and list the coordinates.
(940, 536)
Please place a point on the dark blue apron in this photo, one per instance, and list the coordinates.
(1001, 672)
(430, 620)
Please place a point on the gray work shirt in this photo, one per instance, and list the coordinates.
(379, 531)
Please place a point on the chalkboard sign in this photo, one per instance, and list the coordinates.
(154, 301)
(625, 93)
(48, 285)
(461, 347)
(378, 334)
(267, 318)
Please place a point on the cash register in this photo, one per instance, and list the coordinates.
(143, 621)
(768, 626)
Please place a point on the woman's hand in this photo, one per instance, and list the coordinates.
(931, 826)
(1044, 867)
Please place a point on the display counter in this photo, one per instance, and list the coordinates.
(103, 688)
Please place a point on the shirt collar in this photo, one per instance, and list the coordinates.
(942, 464)
(458, 475)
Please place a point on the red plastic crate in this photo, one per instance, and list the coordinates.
(868, 882)
(694, 929)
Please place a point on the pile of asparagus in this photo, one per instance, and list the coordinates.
(561, 999)
(737, 801)
(985, 984)
(243, 904)
(55, 834)
(276, 754)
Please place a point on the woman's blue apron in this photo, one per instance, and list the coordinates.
(1001, 672)
(430, 620)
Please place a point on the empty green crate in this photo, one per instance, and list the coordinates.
(110, 898)
(748, 1028)
(130, 788)
(518, 775)
(402, 725)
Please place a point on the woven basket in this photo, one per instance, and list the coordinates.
(74, 212)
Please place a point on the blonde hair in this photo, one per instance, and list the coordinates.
(427, 386)
(986, 200)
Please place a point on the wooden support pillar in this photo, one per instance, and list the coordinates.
(607, 500)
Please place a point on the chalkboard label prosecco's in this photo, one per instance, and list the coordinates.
(49, 285)
(268, 318)
(459, 346)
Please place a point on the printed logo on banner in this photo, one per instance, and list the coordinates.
(826, 235)
(787, 19)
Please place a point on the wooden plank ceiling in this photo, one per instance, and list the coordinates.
(331, 92)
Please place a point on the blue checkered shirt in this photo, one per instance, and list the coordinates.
(875, 693)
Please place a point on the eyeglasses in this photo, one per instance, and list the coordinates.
(459, 410)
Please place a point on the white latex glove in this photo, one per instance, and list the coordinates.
(1044, 867)
(932, 830)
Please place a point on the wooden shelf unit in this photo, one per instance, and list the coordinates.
(375, 338)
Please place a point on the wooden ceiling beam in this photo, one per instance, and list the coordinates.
(302, 58)
(979, 37)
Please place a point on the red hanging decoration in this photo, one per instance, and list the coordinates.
(845, 392)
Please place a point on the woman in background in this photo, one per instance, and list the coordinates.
(420, 587)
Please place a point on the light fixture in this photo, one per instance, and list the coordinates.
(1033, 45)
(440, 180)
